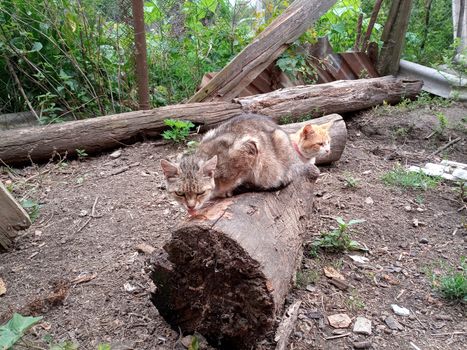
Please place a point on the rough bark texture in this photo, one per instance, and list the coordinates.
(226, 272)
(338, 133)
(268, 46)
(335, 97)
(104, 133)
(12, 218)
(393, 36)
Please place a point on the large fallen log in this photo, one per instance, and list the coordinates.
(336, 97)
(104, 133)
(226, 272)
(266, 48)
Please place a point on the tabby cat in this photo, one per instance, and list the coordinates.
(312, 141)
(249, 150)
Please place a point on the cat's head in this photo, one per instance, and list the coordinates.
(191, 181)
(314, 140)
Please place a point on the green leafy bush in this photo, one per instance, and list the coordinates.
(15, 328)
(179, 130)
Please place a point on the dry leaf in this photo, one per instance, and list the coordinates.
(331, 272)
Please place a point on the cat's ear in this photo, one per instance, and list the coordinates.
(170, 169)
(250, 147)
(308, 130)
(209, 167)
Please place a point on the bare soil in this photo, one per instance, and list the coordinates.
(78, 265)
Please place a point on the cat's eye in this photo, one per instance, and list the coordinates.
(201, 193)
(180, 194)
(321, 144)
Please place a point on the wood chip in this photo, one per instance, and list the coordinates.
(84, 278)
(331, 272)
(145, 248)
(2, 287)
(287, 326)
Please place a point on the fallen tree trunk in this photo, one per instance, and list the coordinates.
(226, 272)
(104, 133)
(335, 97)
(266, 48)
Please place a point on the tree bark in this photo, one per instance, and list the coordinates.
(393, 37)
(104, 133)
(335, 97)
(266, 48)
(226, 272)
(12, 218)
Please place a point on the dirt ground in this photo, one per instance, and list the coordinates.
(79, 268)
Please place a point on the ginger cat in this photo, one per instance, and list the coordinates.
(249, 150)
(312, 141)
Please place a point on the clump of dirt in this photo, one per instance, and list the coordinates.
(94, 214)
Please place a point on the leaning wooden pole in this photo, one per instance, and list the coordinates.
(141, 62)
(393, 37)
(266, 48)
(104, 133)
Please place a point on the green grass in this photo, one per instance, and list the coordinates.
(350, 182)
(400, 177)
(451, 283)
(306, 277)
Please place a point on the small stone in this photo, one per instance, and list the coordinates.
(392, 323)
(415, 223)
(83, 213)
(310, 288)
(116, 154)
(37, 233)
(186, 341)
(380, 328)
(362, 325)
(366, 172)
(362, 344)
(369, 200)
(420, 210)
(408, 208)
(339, 320)
(400, 311)
(423, 240)
(145, 248)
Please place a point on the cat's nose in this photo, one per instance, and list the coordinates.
(191, 206)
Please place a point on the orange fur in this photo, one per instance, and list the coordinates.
(312, 141)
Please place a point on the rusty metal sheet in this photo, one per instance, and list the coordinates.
(360, 64)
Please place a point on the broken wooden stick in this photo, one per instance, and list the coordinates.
(12, 218)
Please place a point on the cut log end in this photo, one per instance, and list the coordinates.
(214, 288)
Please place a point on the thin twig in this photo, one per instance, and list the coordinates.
(414, 346)
(20, 87)
(338, 336)
(445, 334)
(449, 144)
(85, 224)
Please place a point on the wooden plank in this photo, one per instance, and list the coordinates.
(12, 218)
(265, 49)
